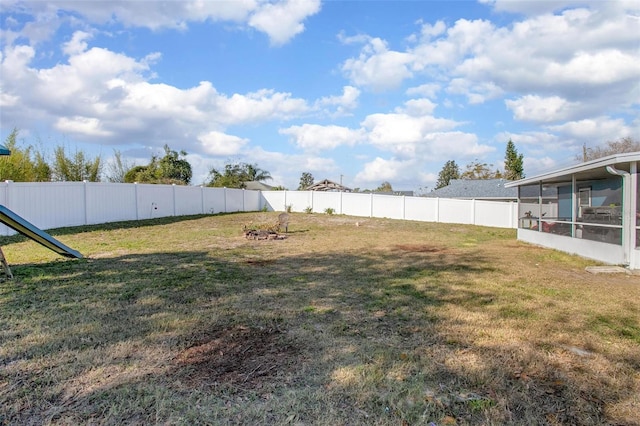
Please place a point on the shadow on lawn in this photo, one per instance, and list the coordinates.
(110, 226)
(331, 322)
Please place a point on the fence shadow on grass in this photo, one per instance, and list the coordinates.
(355, 338)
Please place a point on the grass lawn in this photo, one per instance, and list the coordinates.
(348, 321)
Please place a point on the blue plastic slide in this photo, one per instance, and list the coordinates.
(29, 230)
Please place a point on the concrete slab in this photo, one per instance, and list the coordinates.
(606, 270)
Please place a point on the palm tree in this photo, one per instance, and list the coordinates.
(254, 173)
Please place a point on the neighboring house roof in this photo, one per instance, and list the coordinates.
(492, 189)
(327, 185)
(4, 150)
(394, 192)
(257, 186)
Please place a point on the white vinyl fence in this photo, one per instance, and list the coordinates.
(60, 204)
(474, 212)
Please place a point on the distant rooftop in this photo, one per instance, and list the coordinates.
(475, 189)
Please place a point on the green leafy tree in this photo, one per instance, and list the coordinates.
(513, 163)
(118, 168)
(384, 187)
(449, 172)
(306, 180)
(170, 169)
(620, 146)
(175, 169)
(480, 171)
(42, 170)
(234, 175)
(75, 168)
(24, 164)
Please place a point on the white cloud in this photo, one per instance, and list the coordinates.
(101, 95)
(380, 170)
(259, 106)
(595, 130)
(343, 103)
(81, 125)
(313, 137)
(221, 144)
(417, 107)
(421, 137)
(283, 20)
(429, 90)
(378, 67)
(542, 109)
(77, 44)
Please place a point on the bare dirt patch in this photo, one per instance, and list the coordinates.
(417, 248)
(245, 357)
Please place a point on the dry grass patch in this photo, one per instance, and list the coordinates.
(185, 321)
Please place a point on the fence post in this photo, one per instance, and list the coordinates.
(136, 203)
(224, 193)
(84, 185)
(404, 208)
(473, 211)
(371, 204)
(437, 209)
(202, 199)
(173, 187)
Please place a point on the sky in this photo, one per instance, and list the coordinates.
(358, 92)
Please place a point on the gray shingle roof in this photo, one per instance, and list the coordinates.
(479, 189)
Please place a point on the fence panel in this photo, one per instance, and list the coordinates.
(496, 214)
(389, 206)
(154, 201)
(252, 201)
(235, 200)
(188, 200)
(299, 200)
(213, 200)
(421, 208)
(455, 211)
(49, 204)
(357, 204)
(274, 200)
(327, 200)
(110, 202)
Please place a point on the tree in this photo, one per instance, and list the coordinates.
(480, 171)
(118, 168)
(384, 187)
(75, 168)
(513, 165)
(622, 145)
(174, 169)
(306, 180)
(235, 175)
(24, 164)
(449, 172)
(254, 173)
(170, 169)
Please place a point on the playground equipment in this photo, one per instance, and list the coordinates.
(31, 231)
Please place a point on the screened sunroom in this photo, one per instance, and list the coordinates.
(591, 209)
